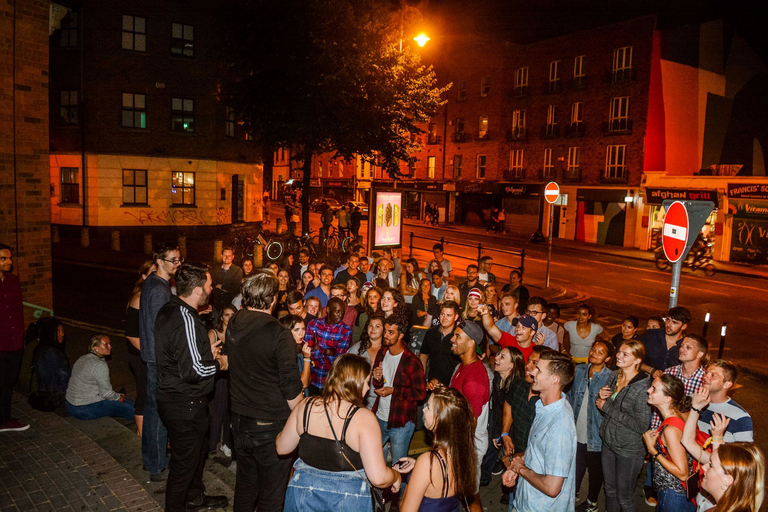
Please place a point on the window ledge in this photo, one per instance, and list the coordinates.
(135, 205)
(183, 206)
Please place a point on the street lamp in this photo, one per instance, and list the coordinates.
(421, 39)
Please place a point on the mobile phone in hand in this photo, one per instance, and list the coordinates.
(400, 464)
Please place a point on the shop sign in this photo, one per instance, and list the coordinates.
(471, 187)
(424, 185)
(658, 195)
(516, 189)
(336, 183)
(748, 209)
(386, 217)
(749, 241)
(748, 191)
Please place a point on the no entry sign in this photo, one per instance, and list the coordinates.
(551, 192)
(675, 231)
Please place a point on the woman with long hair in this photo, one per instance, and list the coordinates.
(218, 407)
(431, 267)
(445, 477)
(368, 347)
(671, 463)
(306, 280)
(423, 301)
(410, 280)
(626, 415)
(581, 333)
(628, 331)
(281, 307)
(735, 477)
(50, 360)
(135, 363)
(339, 443)
(353, 292)
(493, 301)
(372, 306)
(508, 366)
(392, 302)
(298, 328)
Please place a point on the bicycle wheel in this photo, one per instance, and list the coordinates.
(347, 243)
(662, 263)
(331, 243)
(274, 250)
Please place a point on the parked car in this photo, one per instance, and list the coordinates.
(331, 202)
(363, 207)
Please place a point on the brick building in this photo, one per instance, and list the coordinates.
(133, 97)
(24, 211)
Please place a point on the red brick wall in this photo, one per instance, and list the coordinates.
(25, 216)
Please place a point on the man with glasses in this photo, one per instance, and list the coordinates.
(226, 280)
(537, 308)
(436, 347)
(484, 275)
(155, 294)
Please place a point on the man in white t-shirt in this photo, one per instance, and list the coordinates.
(439, 253)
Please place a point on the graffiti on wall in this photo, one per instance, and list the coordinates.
(178, 217)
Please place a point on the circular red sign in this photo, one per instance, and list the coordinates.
(675, 231)
(551, 192)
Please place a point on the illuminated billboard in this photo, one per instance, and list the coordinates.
(386, 218)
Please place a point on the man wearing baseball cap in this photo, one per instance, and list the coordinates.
(525, 332)
(473, 380)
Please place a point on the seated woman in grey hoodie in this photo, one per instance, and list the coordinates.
(626, 416)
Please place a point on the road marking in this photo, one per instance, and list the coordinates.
(645, 297)
(602, 288)
(683, 288)
(655, 281)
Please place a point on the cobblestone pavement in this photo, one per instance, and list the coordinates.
(55, 466)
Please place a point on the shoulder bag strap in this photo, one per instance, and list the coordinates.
(341, 450)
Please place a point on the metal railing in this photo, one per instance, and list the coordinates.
(39, 310)
(481, 250)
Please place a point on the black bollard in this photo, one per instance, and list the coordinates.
(706, 325)
(722, 340)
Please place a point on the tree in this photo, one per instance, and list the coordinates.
(327, 76)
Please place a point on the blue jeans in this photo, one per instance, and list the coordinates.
(262, 474)
(315, 490)
(101, 409)
(620, 475)
(399, 439)
(154, 436)
(672, 501)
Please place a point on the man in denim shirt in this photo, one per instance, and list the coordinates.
(587, 382)
(548, 468)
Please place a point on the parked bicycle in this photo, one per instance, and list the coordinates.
(243, 246)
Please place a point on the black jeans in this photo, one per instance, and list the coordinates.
(262, 475)
(592, 461)
(10, 364)
(187, 424)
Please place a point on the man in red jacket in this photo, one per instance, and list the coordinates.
(11, 339)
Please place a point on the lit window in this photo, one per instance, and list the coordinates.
(183, 188)
(483, 127)
(182, 40)
(134, 33)
(70, 185)
(431, 167)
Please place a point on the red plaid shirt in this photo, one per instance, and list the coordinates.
(335, 338)
(410, 388)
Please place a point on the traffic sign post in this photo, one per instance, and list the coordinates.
(681, 218)
(551, 194)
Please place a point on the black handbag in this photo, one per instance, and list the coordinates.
(377, 495)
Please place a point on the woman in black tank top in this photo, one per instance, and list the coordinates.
(339, 443)
(445, 477)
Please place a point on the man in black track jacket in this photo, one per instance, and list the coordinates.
(185, 370)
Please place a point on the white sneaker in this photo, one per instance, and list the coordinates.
(226, 450)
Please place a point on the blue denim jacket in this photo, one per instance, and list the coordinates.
(576, 395)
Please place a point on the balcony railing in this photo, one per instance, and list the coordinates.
(578, 83)
(572, 175)
(434, 139)
(617, 127)
(515, 134)
(619, 175)
(514, 175)
(520, 91)
(460, 137)
(484, 136)
(622, 75)
(551, 131)
(554, 86)
(547, 173)
(575, 129)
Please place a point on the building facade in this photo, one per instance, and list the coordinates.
(139, 141)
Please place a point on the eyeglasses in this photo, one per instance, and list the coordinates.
(531, 312)
(175, 261)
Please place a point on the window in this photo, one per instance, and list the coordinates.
(134, 186)
(182, 115)
(549, 169)
(68, 107)
(516, 163)
(482, 129)
(431, 167)
(230, 122)
(411, 167)
(459, 129)
(518, 124)
(619, 115)
(458, 160)
(481, 162)
(431, 136)
(576, 126)
(615, 162)
(70, 185)
(68, 34)
(183, 188)
(182, 40)
(579, 78)
(574, 155)
(134, 33)
(552, 128)
(554, 76)
(485, 86)
(521, 81)
(134, 110)
(462, 90)
(622, 64)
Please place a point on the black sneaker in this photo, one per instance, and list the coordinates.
(586, 506)
(208, 503)
(650, 499)
(498, 468)
(504, 499)
(159, 477)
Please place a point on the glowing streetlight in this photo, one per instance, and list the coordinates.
(421, 39)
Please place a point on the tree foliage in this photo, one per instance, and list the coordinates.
(327, 75)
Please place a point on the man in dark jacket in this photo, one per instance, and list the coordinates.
(185, 370)
(264, 386)
(11, 339)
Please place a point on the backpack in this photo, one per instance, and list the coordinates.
(692, 482)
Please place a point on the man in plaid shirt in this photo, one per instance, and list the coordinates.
(329, 338)
(398, 379)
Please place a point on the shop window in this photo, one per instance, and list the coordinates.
(183, 188)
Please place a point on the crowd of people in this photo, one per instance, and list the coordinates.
(314, 375)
